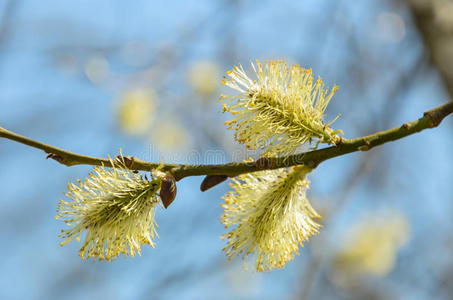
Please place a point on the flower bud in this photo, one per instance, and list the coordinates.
(168, 190)
(212, 180)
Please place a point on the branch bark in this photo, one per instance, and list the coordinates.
(430, 119)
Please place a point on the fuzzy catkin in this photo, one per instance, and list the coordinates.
(280, 110)
(270, 217)
(115, 208)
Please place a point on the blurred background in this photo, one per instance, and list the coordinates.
(144, 76)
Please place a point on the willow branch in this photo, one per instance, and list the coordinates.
(430, 119)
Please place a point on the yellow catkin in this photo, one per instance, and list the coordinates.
(278, 111)
(115, 208)
(270, 215)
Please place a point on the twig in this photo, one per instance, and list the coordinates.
(430, 119)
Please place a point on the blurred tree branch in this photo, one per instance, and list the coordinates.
(6, 17)
(430, 119)
(434, 20)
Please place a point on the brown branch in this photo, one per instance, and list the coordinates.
(430, 119)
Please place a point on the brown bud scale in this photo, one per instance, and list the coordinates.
(212, 180)
(168, 190)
